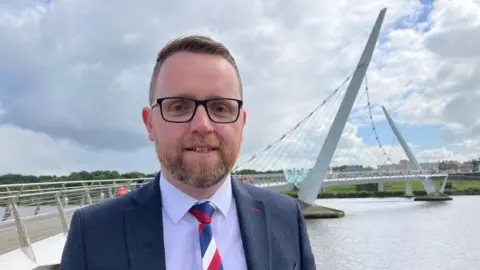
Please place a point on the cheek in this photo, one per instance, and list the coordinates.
(166, 134)
(231, 136)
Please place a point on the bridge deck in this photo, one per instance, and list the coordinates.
(48, 224)
(38, 227)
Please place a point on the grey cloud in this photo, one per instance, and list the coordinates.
(63, 80)
(80, 70)
(458, 77)
(455, 43)
(462, 109)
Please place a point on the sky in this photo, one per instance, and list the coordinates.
(74, 77)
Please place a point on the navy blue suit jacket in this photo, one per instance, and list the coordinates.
(126, 232)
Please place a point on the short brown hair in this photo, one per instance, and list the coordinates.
(194, 44)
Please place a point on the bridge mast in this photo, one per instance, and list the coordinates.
(428, 184)
(312, 184)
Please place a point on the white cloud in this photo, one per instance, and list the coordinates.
(74, 74)
(32, 152)
(443, 154)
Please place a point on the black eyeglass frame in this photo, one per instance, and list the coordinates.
(158, 102)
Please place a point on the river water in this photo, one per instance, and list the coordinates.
(397, 233)
(394, 233)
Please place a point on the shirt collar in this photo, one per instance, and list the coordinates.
(177, 203)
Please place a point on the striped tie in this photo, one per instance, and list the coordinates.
(211, 259)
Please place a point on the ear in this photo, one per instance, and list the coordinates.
(244, 120)
(146, 117)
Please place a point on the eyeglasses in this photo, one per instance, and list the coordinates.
(182, 110)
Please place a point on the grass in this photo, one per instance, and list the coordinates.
(456, 187)
(416, 185)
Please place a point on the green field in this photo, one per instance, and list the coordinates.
(417, 186)
(456, 187)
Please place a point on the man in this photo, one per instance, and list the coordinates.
(193, 215)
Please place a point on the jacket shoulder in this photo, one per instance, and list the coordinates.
(104, 211)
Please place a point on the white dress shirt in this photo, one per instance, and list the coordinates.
(180, 229)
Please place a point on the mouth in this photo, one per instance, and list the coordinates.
(201, 149)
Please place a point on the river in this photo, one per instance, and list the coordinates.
(394, 234)
(397, 233)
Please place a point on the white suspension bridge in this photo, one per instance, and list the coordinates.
(36, 216)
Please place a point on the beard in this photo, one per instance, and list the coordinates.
(199, 173)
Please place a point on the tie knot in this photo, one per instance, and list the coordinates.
(203, 212)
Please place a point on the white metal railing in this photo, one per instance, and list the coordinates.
(262, 179)
(299, 175)
(71, 192)
(368, 174)
(26, 205)
(86, 191)
(385, 177)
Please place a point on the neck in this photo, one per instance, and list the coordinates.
(194, 192)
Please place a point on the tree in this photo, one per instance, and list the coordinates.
(475, 163)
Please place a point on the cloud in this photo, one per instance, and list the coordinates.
(74, 74)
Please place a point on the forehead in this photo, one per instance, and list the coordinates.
(198, 76)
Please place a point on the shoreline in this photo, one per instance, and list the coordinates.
(385, 194)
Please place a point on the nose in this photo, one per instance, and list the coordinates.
(200, 122)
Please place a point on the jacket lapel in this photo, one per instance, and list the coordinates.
(144, 229)
(252, 217)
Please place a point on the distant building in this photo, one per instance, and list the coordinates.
(466, 167)
(389, 167)
(449, 165)
(357, 168)
(445, 165)
(431, 166)
(404, 164)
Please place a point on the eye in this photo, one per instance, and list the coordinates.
(177, 107)
(220, 108)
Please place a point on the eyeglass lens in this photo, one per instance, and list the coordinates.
(182, 109)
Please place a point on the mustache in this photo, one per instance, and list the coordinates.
(204, 141)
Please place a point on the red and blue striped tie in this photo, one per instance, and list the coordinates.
(211, 259)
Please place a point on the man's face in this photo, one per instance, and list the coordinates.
(199, 77)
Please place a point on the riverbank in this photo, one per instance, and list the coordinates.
(454, 188)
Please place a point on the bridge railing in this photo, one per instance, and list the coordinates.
(78, 193)
(367, 174)
(297, 176)
(262, 180)
(25, 204)
(42, 194)
(34, 211)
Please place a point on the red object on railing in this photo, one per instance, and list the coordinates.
(121, 191)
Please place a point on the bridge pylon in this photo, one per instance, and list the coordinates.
(427, 182)
(311, 186)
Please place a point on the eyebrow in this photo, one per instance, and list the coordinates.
(193, 97)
